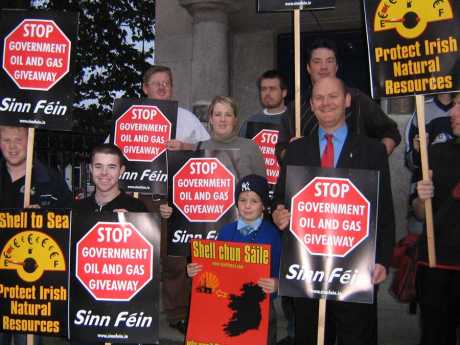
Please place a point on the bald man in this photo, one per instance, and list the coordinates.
(352, 323)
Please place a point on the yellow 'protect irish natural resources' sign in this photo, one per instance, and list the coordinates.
(413, 46)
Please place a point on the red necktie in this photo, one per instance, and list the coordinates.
(456, 191)
(327, 160)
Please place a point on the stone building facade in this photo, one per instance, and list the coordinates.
(220, 47)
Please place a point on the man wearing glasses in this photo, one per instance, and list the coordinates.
(158, 84)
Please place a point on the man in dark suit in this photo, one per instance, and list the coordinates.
(354, 323)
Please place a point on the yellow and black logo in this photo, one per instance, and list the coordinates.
(209, 284)
(410, 17)
(31, 253)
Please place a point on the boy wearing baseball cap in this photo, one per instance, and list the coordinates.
(252, 195)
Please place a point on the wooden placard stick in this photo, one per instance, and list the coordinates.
(321, 321)
(420, 103)
(322, 301)
(29, 161)
(28, 187)
(30, 339)
(297, 70)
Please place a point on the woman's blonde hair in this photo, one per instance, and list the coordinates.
(226, 100)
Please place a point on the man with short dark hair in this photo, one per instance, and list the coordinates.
(107, 165)
(352, 323)
(363, 116)
(272, 92)
(272, 88)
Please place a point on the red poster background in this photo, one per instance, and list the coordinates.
(210, 312)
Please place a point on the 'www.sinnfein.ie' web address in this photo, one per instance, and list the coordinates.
(298, 3)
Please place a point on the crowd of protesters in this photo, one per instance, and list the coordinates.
(341, 127)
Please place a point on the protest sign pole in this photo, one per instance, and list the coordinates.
(321, 321)
(29, 160)
(27, 188)
(297, 70)
(420, 103)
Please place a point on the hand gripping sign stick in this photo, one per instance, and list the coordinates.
(420, 103)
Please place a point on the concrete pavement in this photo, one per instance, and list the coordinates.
(396, 326)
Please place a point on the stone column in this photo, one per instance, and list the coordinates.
(210, 57)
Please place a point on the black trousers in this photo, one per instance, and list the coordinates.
(439, 300)
(350, 323)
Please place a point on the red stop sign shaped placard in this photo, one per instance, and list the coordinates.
(36, 54)
(142, 133)
(203, 189)
(266, 139)
(114, 261)
(330, 216)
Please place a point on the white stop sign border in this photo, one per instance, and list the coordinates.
(232, 194)
(124, 114)
(150, 259)
(367, 216)
(68, 61)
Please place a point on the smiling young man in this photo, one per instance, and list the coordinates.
(107, 165)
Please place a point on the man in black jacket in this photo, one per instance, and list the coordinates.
(107, 165)
(355, 323)
(48, 189)
(363, 115)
